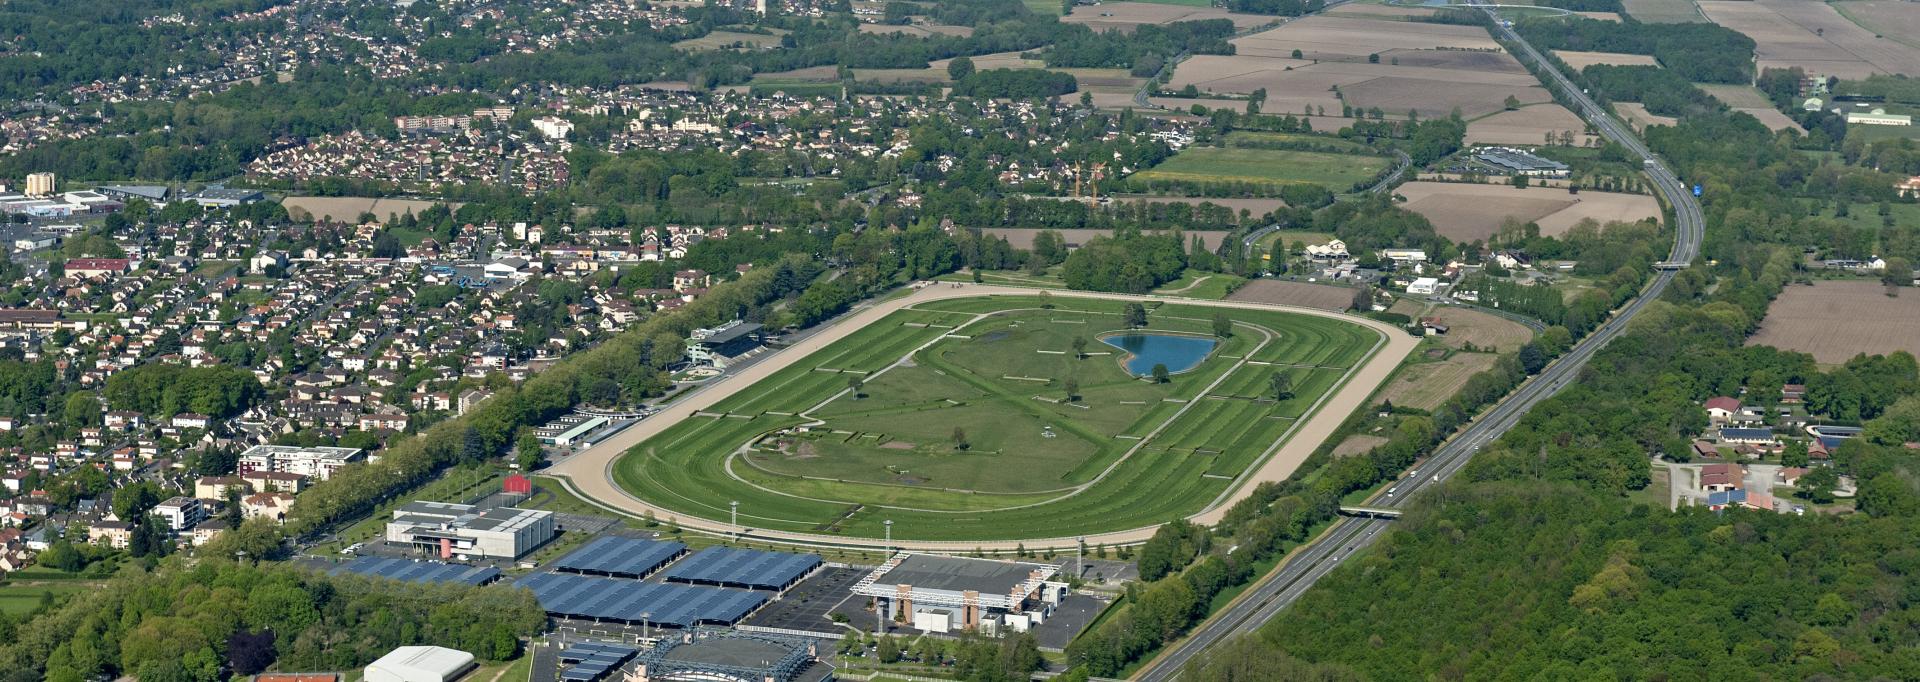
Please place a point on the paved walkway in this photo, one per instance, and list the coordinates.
(589, 474)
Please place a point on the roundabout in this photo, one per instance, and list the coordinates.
(979, 417)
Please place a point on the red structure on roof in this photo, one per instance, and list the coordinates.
(516, 483)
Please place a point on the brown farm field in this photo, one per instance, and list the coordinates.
(1358, 444)
(1352, 38)
(1428, 384)
(1433, 82)
(1813, 36)
(1837, 319)
(1362, 11)
(1301, 294)
(1639, 118)
(1581, 60)
(347, 209)
(1527, 125)
(920, 30)
(1125, 16)
(1896, 19)
(1467, 326)
(1466, 212)
(725, 39)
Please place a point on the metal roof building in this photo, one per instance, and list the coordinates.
(634, 603)
(726, 656)
(407, 570)
(420, 664)
(751, 569)
(620, 557)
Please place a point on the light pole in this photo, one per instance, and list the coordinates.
(889, 524)
(1080, 562)
(646, 625)
(735, 518)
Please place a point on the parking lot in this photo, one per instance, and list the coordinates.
(807, 605)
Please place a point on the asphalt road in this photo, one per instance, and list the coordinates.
(1282, 587)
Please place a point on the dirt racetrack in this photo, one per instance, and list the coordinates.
(1467, 212)
(1837, 319)
(589, 473)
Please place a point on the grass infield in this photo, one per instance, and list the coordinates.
(801, 451)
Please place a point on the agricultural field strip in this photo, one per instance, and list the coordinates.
(995, 390)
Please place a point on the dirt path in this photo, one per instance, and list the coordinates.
(589, 474)
(1189, 286)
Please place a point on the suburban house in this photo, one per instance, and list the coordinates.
(1722, 477)
(1722, 409)
(1793, 394)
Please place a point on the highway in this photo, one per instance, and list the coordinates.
(1298, 573)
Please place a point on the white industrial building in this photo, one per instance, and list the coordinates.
(318, 462)
(1424, 285)
(420, 664)
(451, 530)
(937, 593)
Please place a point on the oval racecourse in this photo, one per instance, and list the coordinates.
(947, 412)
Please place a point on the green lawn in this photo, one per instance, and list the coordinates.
(1269, 167)
(19, 599)
(895, 446)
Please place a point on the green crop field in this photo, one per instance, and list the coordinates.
(1264, 166)
(961, 427)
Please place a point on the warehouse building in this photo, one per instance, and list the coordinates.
(936, 593)
(1520, 162)
(450, 530)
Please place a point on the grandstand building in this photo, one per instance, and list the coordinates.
(459, 529)
(936, 593)
(709, 655)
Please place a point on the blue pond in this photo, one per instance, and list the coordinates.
(1178, 353)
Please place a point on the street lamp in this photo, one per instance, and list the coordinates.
(1080, 563)
(646, 625)
(889, 525)
(735, 518)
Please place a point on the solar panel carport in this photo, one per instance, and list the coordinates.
(632, 602)
(620, 557)
(753, 569)
(408, 570)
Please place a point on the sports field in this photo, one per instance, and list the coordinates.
(803, 451)
(1273, 167)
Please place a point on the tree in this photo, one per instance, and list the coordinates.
(1511, 103)
(1072, 387)
(527, 451)
(1373, 58)
(62, 556)
(960, 439)
(1222, 327)
(1532, 359)
(1518, 181)
(1899, 272)
(1079, 347)
(960, 68)
(82, 409)
(1817, 484)
(1046, 301)
(1281, 383)
(1160, 374)
(1795, 454)
(1297, 54)
(854, 384)
(1362, 298)
(889, 650)
(1135, 315)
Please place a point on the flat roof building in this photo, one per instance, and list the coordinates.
(221, 197)
(317, 462)
(460, 529)
(939, 593)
